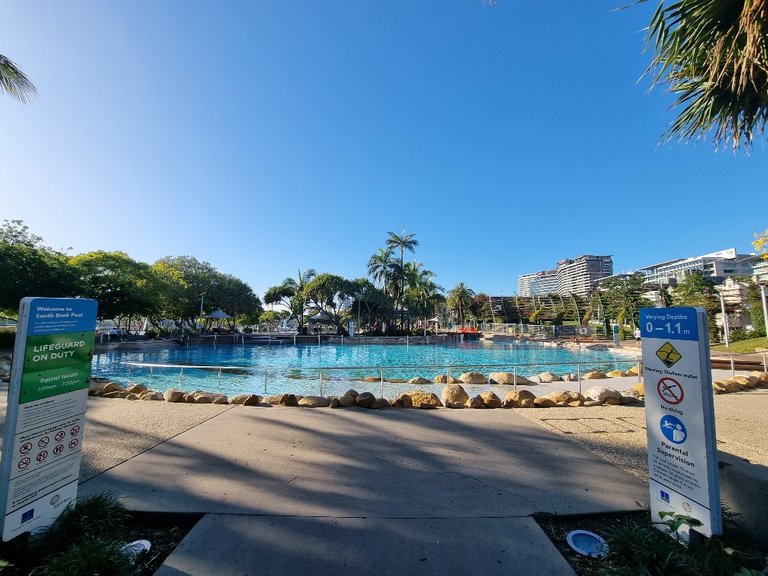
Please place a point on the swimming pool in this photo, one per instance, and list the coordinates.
(329, 369)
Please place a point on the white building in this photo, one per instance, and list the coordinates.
(716, 265)
(578, 276)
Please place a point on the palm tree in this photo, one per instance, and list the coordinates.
(712, 57)
(401, 242)
(423, 294)
(14, 82)
(460, 299)
(290, 294)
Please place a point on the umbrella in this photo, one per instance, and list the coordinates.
(219, 314)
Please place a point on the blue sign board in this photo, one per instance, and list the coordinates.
(669, 323)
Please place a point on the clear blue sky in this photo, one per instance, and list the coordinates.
(268, 136)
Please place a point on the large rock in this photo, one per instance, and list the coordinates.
(347, 401)
(314, 402)
(640, 389)
(636, 370)
(746, 381)
(509, 378)
(617, 374)
(422, 399)
(446, 379)
(490, 400)
(282, 400)
(403, 401)
(365, 400)
(473, 378)
(519, 399)
(475, 402)
(542, 402)
(565, 398)
(454, 394)
(594, 375)
(417, 399)
(137, 389)
(601, 394)
(380, 404)
(547, 377)
(246, 399)
(152, 396)
(761, 376)
(419, 380)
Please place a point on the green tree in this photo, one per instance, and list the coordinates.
(459, 301)
(697, 290)
(30, 269)
(623, 297)
(186, 282)
(14, 82)
(122, 286)
(290, 294)
(423, 294)
(235, 297)
(401, 242)
(711, 55)
(330, 294)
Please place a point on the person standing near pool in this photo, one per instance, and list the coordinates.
(637, 336)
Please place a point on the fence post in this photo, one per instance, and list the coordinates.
(578, 375)
(265, 380)
(321, 382)
(381, 382)
(733, 370)
(514, 378)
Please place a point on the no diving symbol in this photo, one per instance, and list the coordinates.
(670, 391)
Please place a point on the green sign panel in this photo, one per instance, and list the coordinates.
(56, 364)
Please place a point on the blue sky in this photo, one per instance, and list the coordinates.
(270, 136)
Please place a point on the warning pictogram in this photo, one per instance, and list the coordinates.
(670, 391)
(668, 354)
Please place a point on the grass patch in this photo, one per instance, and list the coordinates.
(88, 539)
(637, 547)
(743, 346)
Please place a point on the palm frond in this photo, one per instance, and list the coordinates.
(713, 56)
(14, 82)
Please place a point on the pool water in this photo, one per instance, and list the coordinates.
(333, 369)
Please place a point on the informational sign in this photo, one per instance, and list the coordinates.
(679, 411)
(47, 397)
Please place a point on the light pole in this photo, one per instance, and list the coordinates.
(202, 297)
(725, 320)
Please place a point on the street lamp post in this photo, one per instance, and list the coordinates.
(725, 320)
(202, 297)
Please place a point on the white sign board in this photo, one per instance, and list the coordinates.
(45, 415)
(682, 457)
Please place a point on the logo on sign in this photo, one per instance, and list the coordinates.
(668, 354)
(670, 391)
(673, 429)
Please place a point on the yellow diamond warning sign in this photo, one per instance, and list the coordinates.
(668, 354)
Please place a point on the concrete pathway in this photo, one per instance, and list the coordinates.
(349, 491)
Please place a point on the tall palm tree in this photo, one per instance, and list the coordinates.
(14, 82)
(402, 242)
(459, 300)
(380, 265)
(712, 56)
(423, 293)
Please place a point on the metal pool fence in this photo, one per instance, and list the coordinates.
(336, 380)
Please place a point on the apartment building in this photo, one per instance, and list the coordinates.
(577, 276)
(715, 265)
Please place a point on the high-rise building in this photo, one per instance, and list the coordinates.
(578, 276)
(538, 283)
(581, 275)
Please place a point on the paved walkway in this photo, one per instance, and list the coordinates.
(349, 491)
(320, 491)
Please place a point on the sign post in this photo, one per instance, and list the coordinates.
(45, 416)
(679, 411)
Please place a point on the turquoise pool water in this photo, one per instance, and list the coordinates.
(332, 369)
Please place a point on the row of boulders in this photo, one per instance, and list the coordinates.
(453, 396)
(740, 383)
(505, 378)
